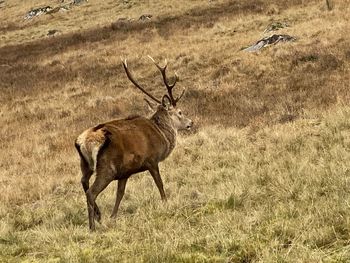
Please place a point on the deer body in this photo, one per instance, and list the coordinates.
(117, 149)
(129, 144)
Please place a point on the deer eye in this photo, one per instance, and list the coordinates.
(180, 113)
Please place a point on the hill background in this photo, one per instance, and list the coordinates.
(263, 176)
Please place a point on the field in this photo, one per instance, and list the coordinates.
(262, 177)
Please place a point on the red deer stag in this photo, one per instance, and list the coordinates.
(117, 149)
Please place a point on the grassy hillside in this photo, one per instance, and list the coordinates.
(263, 176)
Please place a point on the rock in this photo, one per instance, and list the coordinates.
(37, 12)
(271, 40)
(145, 17)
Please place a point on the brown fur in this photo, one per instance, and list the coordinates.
(117, 149)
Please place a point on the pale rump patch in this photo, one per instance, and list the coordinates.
(90, 142)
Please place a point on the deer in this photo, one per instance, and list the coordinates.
(117, 149)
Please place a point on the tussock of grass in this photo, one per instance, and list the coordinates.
(261, 178)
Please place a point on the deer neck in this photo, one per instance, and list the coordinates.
(165, 125)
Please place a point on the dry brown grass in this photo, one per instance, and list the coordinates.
(262, 178)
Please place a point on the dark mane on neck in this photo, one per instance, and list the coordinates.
(162, 120)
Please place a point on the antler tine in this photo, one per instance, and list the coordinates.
(167, 85)
(182, 93)
(130, 77)
(159, 67)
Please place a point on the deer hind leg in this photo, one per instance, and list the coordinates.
(101, 182)
(87, 173)
(154, 170)
(120, 194)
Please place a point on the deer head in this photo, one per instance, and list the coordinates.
(167, 105)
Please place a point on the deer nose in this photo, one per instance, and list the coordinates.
(189, 125)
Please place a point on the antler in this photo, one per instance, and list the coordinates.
(130, 77)
(169, 87)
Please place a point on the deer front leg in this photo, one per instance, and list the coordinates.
(120, 194)
(154, 170)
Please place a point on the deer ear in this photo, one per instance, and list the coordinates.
(151, 106)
